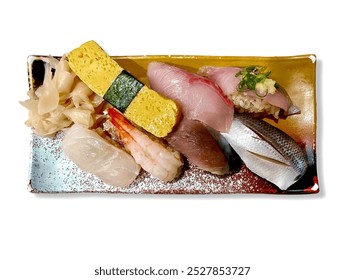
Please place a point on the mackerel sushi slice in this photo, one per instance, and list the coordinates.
(199, 98)
(267, 151)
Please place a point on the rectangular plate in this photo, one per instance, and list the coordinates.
(52, 172)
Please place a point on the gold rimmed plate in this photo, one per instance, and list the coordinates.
(52, 172)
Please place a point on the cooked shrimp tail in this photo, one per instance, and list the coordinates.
(153, 157)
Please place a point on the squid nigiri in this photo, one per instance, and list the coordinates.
(93, 154)
(251, 89)
(199, 98)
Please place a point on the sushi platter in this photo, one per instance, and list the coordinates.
(267, 154)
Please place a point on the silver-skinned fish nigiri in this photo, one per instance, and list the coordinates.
(267, 151)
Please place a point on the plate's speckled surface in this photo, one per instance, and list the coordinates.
(52, 172)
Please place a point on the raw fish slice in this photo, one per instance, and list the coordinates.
(267, 151)
(93, 154)
(199, 98)
(192, 139)
(225, 78)
(234, 161)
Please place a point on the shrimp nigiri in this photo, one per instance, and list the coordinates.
(152, 156)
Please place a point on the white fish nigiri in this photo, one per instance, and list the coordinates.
(267, 151)
(93, 154)
(267, 92)
(199, 98)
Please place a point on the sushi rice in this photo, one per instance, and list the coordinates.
(249, 104)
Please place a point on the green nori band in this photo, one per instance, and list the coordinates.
(122, 91)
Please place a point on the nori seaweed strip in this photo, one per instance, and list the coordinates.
(122, 91)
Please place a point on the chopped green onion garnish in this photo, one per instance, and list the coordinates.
(250, 76)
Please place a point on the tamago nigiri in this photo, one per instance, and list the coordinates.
(140, 104)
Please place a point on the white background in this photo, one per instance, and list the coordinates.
(68, 236)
